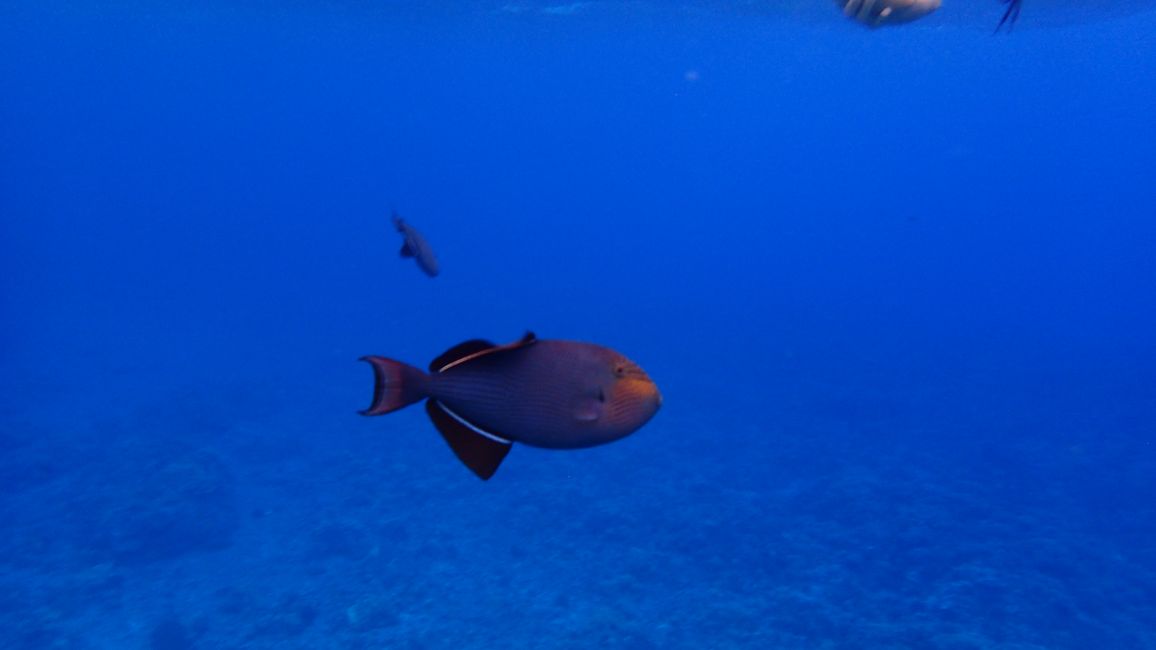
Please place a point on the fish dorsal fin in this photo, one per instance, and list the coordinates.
(406, 250)
(460, 352)
(472, 349)
(479, 450)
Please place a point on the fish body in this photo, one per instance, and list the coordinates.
(415, 246)
(544, 393)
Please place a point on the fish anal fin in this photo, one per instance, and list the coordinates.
(478, 450)
(474, 348)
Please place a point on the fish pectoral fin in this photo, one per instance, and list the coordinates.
(406, 250)
(479, 450)
(588, 409)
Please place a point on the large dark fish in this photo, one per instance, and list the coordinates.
(484, 397)
(416, 246)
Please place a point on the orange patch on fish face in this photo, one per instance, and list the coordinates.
(631, 397)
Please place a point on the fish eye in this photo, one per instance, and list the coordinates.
(620, 370)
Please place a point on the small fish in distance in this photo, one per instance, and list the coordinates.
(876, 13)
(484, 397)
(416, 246)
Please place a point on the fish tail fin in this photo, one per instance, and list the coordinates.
(396, 385)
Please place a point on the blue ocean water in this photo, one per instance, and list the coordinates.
(897, 286)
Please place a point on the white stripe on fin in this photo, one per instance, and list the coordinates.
(472, 427)
(527, 339)
(458, 362)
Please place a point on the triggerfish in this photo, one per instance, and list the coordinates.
(416, 246)
(484, 397)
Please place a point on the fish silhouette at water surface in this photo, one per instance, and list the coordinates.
(553, 394)
(1010, 15)
(877, 13)
(416, 246)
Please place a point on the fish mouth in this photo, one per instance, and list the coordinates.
(650, 390)
(635, 400)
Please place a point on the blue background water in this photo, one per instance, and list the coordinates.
(896, 287)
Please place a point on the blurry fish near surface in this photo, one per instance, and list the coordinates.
(416, 246)
(877, 13)
(484, 397)
(1011, 15)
